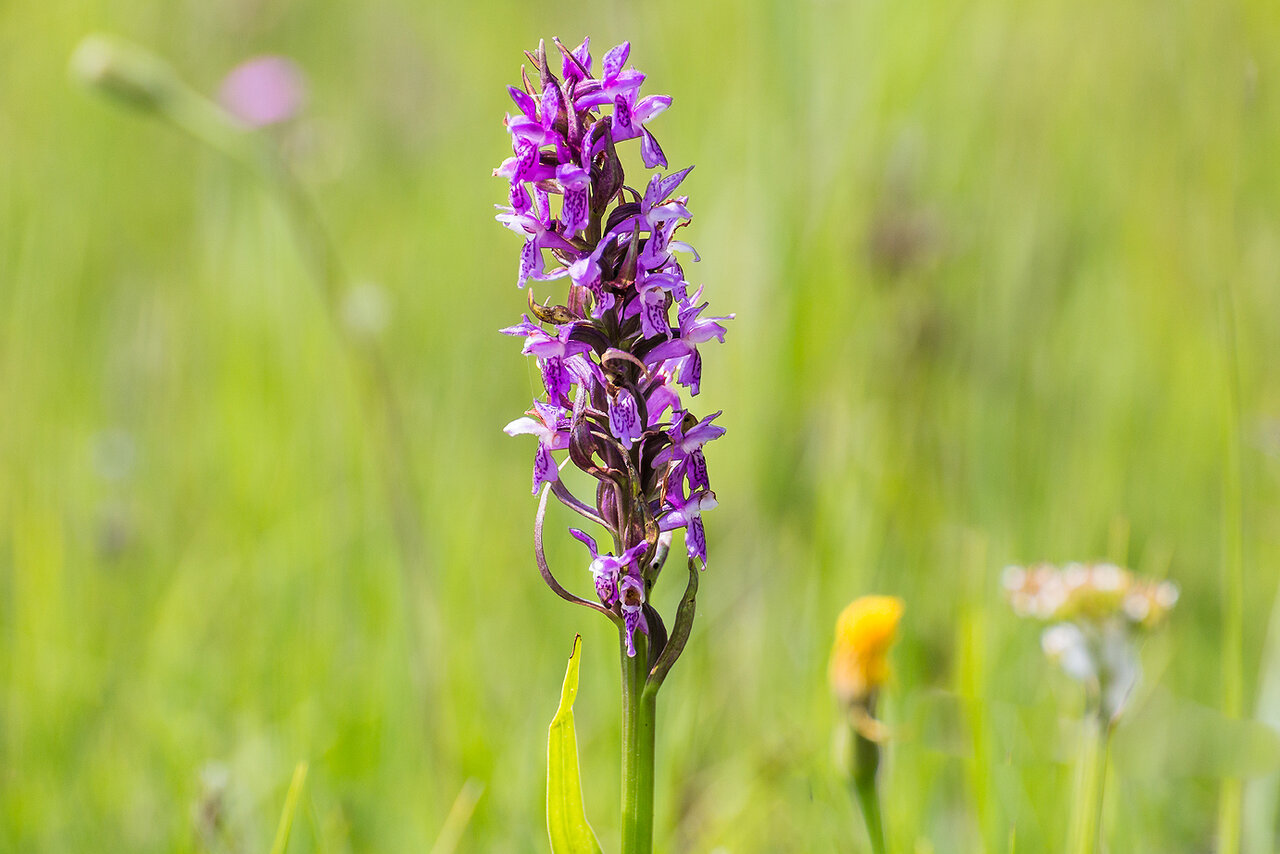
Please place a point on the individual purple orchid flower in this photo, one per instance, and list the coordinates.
(532, 129)
(661, 397)
(653, 303)
(528, 136)
(620, 88)
(540, 234)
(685, 450)
(550, 425)
(607, 570)
(552, 352)
(683, 346)
(687, 513)
(656, 208)
(585, 273)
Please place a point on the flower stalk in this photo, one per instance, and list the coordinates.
(1098, 613)
(866, 767)
(858, 670)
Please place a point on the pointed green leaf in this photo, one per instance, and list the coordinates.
(566, 816)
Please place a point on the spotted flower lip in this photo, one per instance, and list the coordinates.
(631, 594)
(686, 512)
(624, 418)
(618, 344)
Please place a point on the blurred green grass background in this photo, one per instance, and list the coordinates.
(983, 258)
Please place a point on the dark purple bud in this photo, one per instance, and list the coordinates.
(610, 181)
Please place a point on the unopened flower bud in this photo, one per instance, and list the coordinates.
(123, 71)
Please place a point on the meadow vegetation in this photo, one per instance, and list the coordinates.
(1005, 278)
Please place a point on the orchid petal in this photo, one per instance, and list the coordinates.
(614, 60)
(650, 151)
(587, 540)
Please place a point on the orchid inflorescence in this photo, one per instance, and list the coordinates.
(612, 362)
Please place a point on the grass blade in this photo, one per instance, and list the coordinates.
(283, 829)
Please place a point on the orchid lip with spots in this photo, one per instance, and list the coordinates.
(620, 358)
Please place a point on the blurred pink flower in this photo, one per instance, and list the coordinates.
(264, 90)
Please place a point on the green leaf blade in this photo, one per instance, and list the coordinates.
(566, 816)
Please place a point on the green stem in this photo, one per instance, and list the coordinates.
(1104, 751)
(866, 764)
(1086, 828)
(1230, 797)
(639, 713)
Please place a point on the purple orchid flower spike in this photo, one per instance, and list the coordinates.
(613, 364)
(550, 425)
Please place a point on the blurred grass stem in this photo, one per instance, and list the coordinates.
(866, 764)
(1230, 800)
(285, 827)
(1086, 825)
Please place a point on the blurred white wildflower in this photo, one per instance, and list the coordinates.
(1098, 612)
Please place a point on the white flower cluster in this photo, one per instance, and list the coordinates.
(1097, 611)
(1095, 592)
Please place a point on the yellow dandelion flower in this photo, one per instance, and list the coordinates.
(864, 632)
